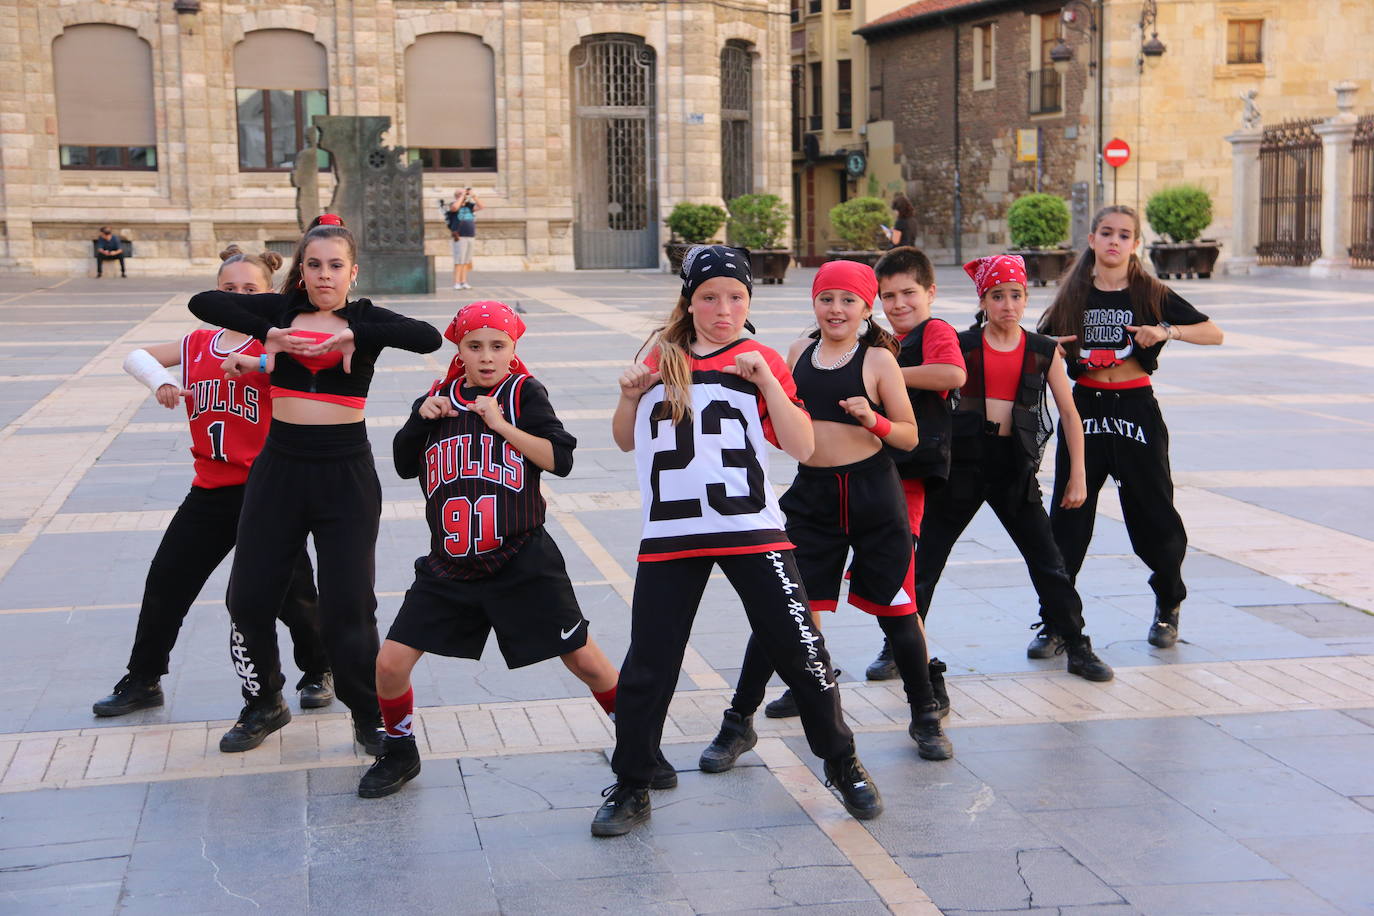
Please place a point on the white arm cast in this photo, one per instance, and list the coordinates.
(143, 366)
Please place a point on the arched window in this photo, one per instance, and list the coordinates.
(736, 127)
(282, 80)
(451, 102)
(103, 77)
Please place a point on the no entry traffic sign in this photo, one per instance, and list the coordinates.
(1116, 152)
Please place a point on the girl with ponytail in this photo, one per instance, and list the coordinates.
(315, 475)
(698, 413)
(1113, 319)
(228, 422)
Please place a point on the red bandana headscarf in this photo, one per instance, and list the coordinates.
(1000, 268)
(485, 314)
(850, 276)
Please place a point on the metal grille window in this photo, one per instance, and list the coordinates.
(616, 190)
(1362, 201)
(844, 85)
(817, 97)
(1290, 194)
(736, 139)
(1243, 41)
(798, 107)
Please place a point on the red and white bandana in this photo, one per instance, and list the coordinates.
(485, 314)
(1000, 268)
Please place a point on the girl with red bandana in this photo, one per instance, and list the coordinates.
(1117, 318)
(477, 445)
(847, 495)
(315, 475)
(1000, 425)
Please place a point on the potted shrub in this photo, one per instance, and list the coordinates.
(758, 222)
(691, 224)
(1039, 228)
(1178, 215)
(859, 224)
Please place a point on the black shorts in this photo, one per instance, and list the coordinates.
(529, 602)
(860, 505)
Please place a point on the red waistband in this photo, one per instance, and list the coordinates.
(345, 400)
(1089, 382)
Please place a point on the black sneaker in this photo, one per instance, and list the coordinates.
(883, 667)
(397, 765)
(1045, 644)
(1083, 661)
(784, 707)
(858, 794)
(931, 742)
(1164, 630)
(937, 685)
(623, 810)
(736, 736)
(255, 723)
(370, 735)
(130, 694)
(316, 690)
(665, 777)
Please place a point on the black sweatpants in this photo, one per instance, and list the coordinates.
(320, 481)
(100, 260)
(1125, 436)
(199, 537)
(667, 594)
(1002, 479)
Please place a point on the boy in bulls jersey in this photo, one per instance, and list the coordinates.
(229, 420)
(478, 445)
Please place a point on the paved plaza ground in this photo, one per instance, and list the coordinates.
(1232, 774)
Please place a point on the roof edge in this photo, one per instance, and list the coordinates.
(910, 22)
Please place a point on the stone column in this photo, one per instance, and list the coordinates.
(1245, 200)
(1337, 184)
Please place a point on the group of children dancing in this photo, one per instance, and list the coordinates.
(900, 436)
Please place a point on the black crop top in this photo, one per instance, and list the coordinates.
(821, 390)
(374, 328)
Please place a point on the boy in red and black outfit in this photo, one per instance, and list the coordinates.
(932, 365)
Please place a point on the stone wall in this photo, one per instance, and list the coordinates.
(198, 200)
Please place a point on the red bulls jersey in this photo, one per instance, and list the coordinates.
(229, 417)
(482, 498)
(704, 482)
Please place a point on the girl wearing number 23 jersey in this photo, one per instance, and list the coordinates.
(229, 420)
(696, 414)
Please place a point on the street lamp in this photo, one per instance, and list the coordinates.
(1149, 15)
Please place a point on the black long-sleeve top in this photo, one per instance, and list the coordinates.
(374, 328)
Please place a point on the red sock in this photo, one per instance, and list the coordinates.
(397, 713)
(607, 699)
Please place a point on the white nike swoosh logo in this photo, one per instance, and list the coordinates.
(566, 633)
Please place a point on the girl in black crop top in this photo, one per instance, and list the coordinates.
(314, 476)
(1115, 319)
(847, 495)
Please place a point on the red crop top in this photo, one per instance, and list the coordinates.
(1002, 370)
(315, 364)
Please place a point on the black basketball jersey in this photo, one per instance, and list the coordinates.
(482, 499)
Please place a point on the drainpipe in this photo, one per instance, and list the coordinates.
(958, 174)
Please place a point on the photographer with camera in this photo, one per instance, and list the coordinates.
(461, 216)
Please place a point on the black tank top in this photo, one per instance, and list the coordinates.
(821, 390)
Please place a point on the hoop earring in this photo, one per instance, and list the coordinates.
(868, 326)
(354, 284)
(300, 284)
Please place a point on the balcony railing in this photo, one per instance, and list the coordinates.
(1044, 93)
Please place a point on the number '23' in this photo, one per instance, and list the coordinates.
(684, 451)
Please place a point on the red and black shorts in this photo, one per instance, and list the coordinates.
(859, 506)
(529, 602)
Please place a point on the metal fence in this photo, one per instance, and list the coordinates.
(1290, 194)
(1362, 200)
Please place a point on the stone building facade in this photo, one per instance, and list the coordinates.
(1174, 110)
(169, 121)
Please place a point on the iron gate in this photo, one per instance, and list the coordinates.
(616, 187)
(1362, 201)
(736, 141)
(1290, 194)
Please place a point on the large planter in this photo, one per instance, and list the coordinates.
(1176, 260)
(769, 265)
(1044, 265)
(676, 251)
(863, 257)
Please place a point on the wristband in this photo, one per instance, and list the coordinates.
(143, 366)
(881, 426)
(262, 362)
(1168, 330)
